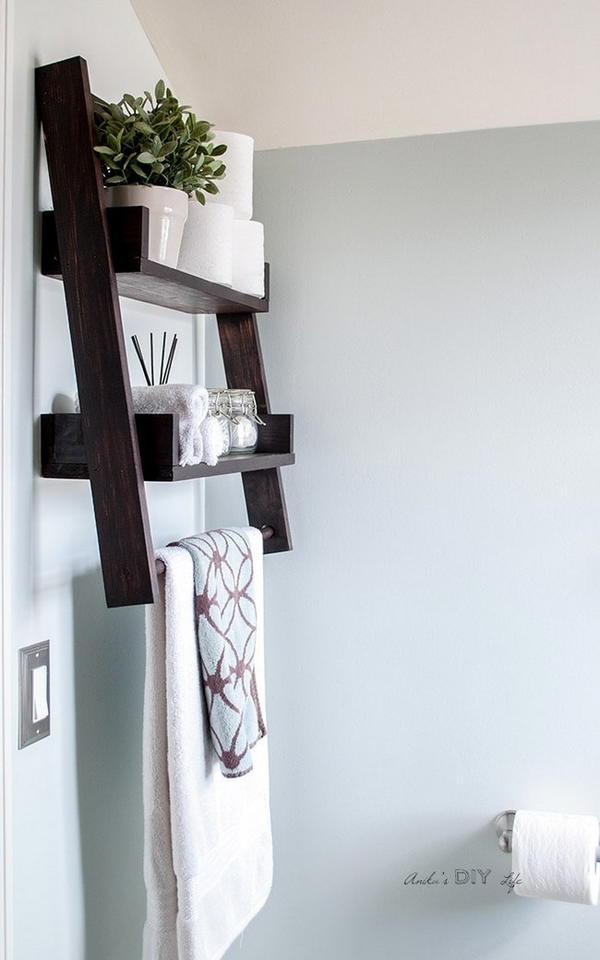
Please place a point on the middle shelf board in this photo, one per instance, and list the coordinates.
(64, 456)
(139, 278)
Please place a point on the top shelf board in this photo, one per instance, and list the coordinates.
(139, 278)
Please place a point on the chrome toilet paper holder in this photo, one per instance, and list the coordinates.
(504, 831)
(504, 828)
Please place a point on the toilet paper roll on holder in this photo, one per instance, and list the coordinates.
(504, 829)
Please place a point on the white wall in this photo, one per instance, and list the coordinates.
(4, 202)
(76, 798)
(432, 640)
(316, 72)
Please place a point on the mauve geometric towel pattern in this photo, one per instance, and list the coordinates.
(226, 628)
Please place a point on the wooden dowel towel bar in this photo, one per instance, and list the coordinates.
(267, 533)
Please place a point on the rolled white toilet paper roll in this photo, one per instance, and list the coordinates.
(207, 243)
(554, 856)
(235, 188)
(249, 257)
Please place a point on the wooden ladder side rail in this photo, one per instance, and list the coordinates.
(66, 110)
(244, 367)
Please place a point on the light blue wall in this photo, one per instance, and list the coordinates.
(433, 640)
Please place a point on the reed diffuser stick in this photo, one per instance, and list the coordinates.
(162, 357)
(152, 358)
(171, 356)
(140, 357)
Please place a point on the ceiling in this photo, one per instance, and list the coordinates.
(310, 72)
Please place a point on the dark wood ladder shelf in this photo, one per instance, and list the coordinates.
(102, 254)
(139, 278)
(64, 454)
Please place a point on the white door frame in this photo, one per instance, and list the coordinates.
(5, 658)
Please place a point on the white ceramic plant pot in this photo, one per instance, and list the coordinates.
(207, 245)
(168, 210)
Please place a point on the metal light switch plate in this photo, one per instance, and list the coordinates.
(34, 693)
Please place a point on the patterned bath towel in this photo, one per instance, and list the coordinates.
(208, 855)
(225, 563)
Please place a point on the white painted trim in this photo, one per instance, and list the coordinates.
(6, 663)
(199, 330)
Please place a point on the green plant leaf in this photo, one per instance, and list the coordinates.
(144, 127)
(143, 174)
(156, 140)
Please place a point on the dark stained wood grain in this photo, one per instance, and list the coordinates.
(242, 356)
(63, 440)
(139, 278)
(115, 470)
(128, 232)
(276, 434)
(236, 463)
(244, 367)
(64, 449)
(265, 503)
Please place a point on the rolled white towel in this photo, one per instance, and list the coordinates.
(249, 257)
(211, 432)
(189, 401)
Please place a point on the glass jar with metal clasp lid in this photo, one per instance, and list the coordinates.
(243, 421)
(216, 401)
(237, 409)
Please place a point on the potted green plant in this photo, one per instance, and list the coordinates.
(155, 153)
